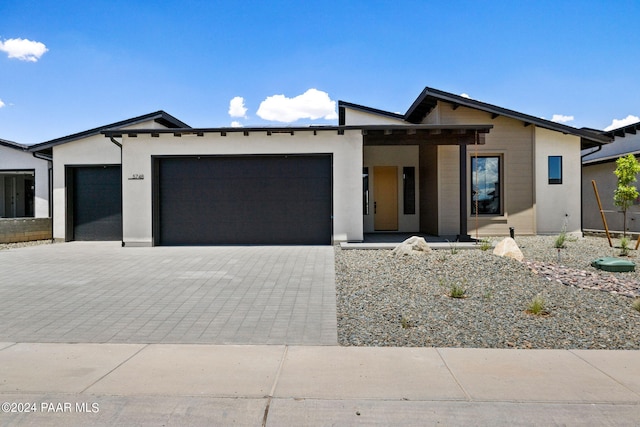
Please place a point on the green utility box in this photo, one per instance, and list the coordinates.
(616, 265)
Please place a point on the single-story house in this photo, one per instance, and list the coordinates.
(598, 164)
(449, 166)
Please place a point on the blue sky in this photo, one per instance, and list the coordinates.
(105, 61)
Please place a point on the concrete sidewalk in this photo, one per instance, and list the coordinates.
(171, 384)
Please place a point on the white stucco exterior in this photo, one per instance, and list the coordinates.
(557, 204)
(138, 152)
(13, 159)
(93, 150)
(88, 151)
(358, 118)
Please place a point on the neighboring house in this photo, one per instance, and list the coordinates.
(427, 171)
(87, 187)
(598, 164)
(24, 194)
(24, 182)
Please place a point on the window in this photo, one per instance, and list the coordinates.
(17, 193)
(486, 178)
(555, 169)
(409, 189)
(365, 191)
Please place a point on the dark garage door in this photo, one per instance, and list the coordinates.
(243, 200)
(95, 202)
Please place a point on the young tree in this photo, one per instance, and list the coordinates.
(627, 168)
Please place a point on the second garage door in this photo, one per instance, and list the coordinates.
(94, 203)
(282, 199)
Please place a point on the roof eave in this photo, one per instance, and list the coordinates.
(160, 117)
(429, 97)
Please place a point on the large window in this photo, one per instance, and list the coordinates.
(486, 178)
(17, 193)
(555, 169)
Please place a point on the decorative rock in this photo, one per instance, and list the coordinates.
(412, 245)
(508, 248)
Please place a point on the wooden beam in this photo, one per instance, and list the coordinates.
(177, 134)
(526, 124)
(439, 139)
(454, 107)
(494, 116)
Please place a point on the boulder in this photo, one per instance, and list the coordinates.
(508, 248)
(413, 245)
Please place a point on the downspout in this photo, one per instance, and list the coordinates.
(121, 181)
(49, 159)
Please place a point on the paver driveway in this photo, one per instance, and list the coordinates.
(100, 292)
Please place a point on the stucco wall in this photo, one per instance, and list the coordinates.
(12, 159)
(347, 171)
(93, 150)
(357, 117)
(399, 156)
(557, 204)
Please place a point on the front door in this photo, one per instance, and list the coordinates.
(385, 195)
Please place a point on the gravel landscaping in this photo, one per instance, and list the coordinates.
(388, 301)
(24, 244)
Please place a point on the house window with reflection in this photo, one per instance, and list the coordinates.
(486, 181)
(555, 169)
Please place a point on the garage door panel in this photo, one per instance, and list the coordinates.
(244, 200)
(96, 203)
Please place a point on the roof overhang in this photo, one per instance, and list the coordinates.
(429, 98)
(623, 131)
(373, 134)
(159, 117)
(11, 144)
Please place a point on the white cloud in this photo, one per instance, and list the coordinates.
(615, 124)
(23, 49)
(465, 95)
(237, 108)
(313, 104)
(2, 104)
(559, 118)
(236, 124)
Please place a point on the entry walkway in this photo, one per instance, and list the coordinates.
(163, 384)
(103, 293)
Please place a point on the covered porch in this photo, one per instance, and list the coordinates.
(407, 185)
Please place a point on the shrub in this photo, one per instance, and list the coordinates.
(457, 291)
(624, 247)
(537, 307)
